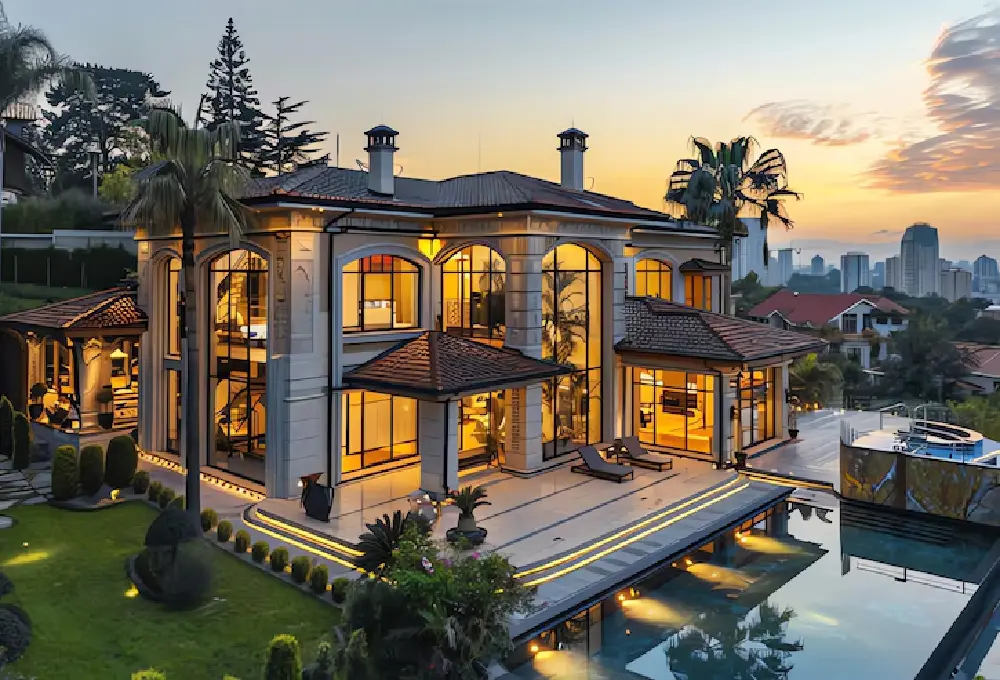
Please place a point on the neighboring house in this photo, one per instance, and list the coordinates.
(984, 372)
(371, 321)
(841, 317)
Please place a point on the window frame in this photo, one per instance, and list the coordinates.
(362, 274)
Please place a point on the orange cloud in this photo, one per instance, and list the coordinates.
(822, 124)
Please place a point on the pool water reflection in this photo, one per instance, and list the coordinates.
(821, 596)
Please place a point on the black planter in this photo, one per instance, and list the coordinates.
(35, 411)
(106, 420)
(794, 434)
(475, 537)
(741, 459)
(317, 500)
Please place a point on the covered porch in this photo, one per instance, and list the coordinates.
(79, 366)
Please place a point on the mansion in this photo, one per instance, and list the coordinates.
(370, 321)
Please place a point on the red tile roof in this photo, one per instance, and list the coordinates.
(985, 358)
(436, 364)
(114, 310)
(817, 309)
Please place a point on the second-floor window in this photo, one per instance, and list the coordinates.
(653, 278)
(698, 291)
(849, 323)
(380, 292)
(472, 285)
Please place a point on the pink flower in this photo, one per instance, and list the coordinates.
(475, 556)
(426, 564)
(447, 562)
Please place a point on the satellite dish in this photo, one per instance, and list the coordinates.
(362, 165)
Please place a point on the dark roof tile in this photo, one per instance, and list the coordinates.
(112, 309)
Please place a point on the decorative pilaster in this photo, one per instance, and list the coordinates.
(524, 295)
(438, 441)
(523, 446)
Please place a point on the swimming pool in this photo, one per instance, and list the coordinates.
(830, 598)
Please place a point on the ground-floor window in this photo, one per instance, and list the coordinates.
(376, 429)
(674, 409)
(571, 412)
(174, 411)
(483, 426)
(757, 406)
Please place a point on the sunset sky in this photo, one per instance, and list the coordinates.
(888, 112)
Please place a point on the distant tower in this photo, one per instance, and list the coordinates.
(572, 144)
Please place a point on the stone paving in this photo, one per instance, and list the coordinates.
(23, 487)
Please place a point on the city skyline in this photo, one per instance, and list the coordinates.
(875, 139)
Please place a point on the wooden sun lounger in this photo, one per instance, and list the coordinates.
(595, 466)
(635, 454)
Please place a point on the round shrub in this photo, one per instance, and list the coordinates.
(259, 551)
(153, 493)
(170, 528)
(338, 591)
(123, 459)
(91, 469)
(242, 542)
(15, 635)
(178, 502)
(224, 531)
(283, 659)
(65, 473)
(140, 483)
(187, 582)
(279, 559)
(209, 518)
(165, 497)
(300, 569)
(318, 578)
(149, 674)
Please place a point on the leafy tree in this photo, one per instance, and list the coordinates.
(286, 144)
(73, 209)
(802, 283)
(814, 381)
(984, 330)
(194, 190)
(928, 364)
(30, 62)
(232, 99)
(76, 122)
(117, 187)
(751, 293)
(722, 183)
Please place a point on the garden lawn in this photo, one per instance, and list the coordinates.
(68, 570)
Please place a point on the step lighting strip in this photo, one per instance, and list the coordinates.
(305, 534)
(302, 546)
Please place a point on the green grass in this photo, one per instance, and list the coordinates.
(71, 580)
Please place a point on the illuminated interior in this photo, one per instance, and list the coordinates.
(375, 429)
(572, 300)
(757, 406)
(174, 411)
(698, 291)
(173, 310)
(674, 409)
(238, 365)
(380, 292)
(472, 294)
(654, 278)
(483, 424)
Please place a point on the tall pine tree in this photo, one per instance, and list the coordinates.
(231, 98)
(288, 144)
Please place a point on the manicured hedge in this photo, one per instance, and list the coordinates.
(123, 459)
(91, 469)
(65, 473)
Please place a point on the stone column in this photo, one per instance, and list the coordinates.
(89, 364)
(781, 404)
(523, 445)
(729, 436)
(437, 440)
(615, 283)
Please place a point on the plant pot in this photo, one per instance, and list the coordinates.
(475, 537)
(794, 434)
(106, 420)
(35, 411)
(466, 523)
(741, 459)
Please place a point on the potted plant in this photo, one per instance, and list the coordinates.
(467, 500)
(106, 418)
(741, 459)
(37, 392)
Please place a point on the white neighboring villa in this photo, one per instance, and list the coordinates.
(371, 321)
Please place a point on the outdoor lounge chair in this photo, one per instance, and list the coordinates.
(635, 454)
(595, 466)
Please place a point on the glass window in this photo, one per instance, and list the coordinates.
(654, 278)
(674, 409)
(572, 300)
(483, 427)
(757, 395)
(174, 411)
(174, 307)
(380, 292)
(698, 291)
(472, 293)
(238, 363)
(375, 429)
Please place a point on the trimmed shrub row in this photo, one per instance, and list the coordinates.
(15, 435)
(88, 472)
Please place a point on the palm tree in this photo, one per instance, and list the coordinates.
(814, 381)
(720, 184)
(192, 190)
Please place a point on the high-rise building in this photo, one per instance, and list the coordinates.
(785, 264)
(984, 271)
(878, 275)
(894, 273)
(817, 266)
(748, 251)
(956, 284)
(854, 272)
(919, 255)
(945, 264)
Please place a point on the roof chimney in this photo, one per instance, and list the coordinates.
(381, 147)
(572, 144)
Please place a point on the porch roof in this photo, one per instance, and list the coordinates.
(700, 265)
(107, 312)
(660, 327)
(436, 365)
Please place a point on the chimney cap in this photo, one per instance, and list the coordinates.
(571, 133)
(381, 130)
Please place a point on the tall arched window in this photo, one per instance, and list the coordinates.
(572, 301)
(380, 292)
(238, 362)
(172, 318)
(654, 278)
(174, 306)
(472, 293)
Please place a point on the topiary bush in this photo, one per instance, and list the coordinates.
(300, 569)
(170, 528)
(22, 442)
(338, 591)
(187, 582)
(279, 559)
(140, 483)
(259, 551)
(6, 585)
(153, 493)
(209, 518)
(165, 497)
(242, 542)
(15, 635)
(91, 469)
(6, 428)
(283, 659)
(149, 674)
(123, 459)
(177, 502)
(224, 531)
(319, 577)
(65, 473)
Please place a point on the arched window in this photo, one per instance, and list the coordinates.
(380, 292)
(572, 300)
(654, 278)
(174, 306)
(472, 285)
